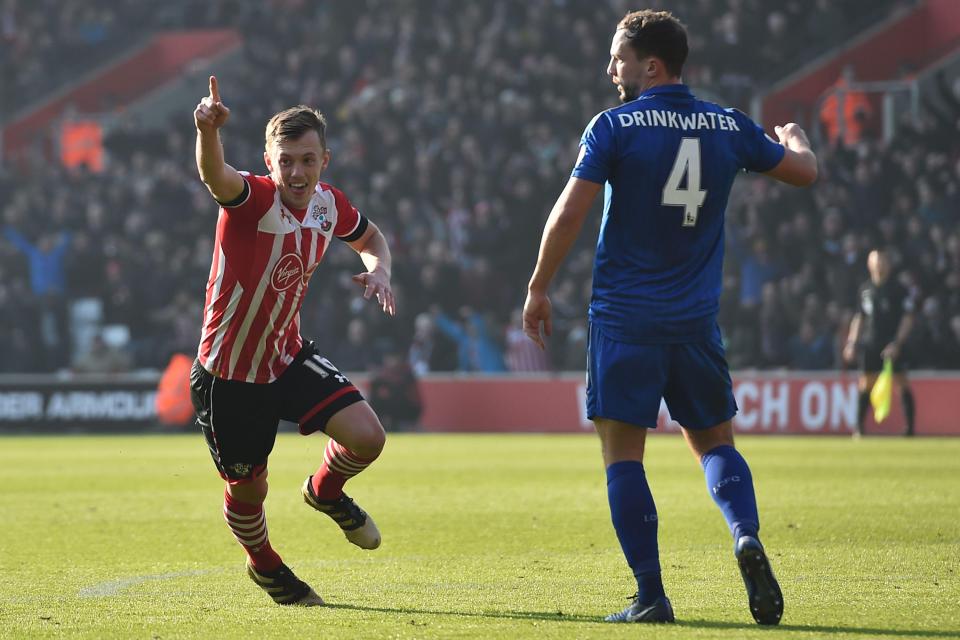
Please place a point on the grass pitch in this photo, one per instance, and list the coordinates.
(500, 536)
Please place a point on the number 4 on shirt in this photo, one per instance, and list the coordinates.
(691, 198)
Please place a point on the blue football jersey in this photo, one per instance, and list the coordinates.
(667, 161)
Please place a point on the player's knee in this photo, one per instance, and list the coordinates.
(369, 439)
(703, 441)
(250, 492)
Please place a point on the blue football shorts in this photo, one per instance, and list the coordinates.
(625, 381)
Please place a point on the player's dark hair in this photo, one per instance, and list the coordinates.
(292, 123)
(658, 34)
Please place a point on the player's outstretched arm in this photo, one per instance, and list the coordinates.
(799, 164)
(561, 231)
(375, 253)
(223, 181)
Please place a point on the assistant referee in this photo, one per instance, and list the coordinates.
(878, 331)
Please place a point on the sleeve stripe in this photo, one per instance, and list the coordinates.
(358, 231)
(240, 199)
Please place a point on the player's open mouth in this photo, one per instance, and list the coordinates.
(298, 188)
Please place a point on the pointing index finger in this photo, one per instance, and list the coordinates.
(214, 89)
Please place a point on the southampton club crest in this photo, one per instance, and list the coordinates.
(319, 214)
(241, 469)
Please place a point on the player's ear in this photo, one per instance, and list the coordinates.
(267, 161)
(325, 161)
(652, 67)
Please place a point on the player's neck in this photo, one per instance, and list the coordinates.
(295, 208)
(661, 81)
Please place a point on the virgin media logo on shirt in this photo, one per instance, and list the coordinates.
(287, 272)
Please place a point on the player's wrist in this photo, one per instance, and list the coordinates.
(537, 286)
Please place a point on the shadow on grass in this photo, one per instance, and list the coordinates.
(826, 629)
(515, 615)
(559, 616)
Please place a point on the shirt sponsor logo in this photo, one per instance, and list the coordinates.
(287, 272)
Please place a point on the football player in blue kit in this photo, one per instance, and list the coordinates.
(665, 161)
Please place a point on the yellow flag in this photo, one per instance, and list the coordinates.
(882, 393)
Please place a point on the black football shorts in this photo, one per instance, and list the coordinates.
(872, 362)
(240, 419)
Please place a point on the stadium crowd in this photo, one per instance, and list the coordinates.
(453, 126)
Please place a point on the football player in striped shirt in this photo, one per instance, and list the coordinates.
(253, 368)
(666, 162)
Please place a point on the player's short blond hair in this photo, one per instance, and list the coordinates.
(292, 123)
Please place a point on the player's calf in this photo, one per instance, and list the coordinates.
(339, 465)
(248, 523)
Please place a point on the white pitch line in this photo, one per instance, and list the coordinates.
(114, 587)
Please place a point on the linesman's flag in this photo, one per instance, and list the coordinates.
(882, 393)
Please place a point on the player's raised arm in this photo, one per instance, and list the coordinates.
(561, 231)
(799, 164)
(223, 181)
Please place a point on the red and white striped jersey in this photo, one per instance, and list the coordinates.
(263, 257)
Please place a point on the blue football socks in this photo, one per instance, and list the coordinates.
(634, 517)
(731, 487)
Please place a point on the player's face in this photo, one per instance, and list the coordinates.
(296, 166)
(879, 266)
(625, 69)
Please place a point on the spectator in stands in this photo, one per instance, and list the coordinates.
(846, 113)
(809, 349)
(47, 304)
(430, 349)
(395, 395)
(102, 358)
(476, 350)
(758, 269)
(356, 352)
(521, 354)
(46, 259)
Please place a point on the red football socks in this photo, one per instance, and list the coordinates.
(249, 526)
(339, 465)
